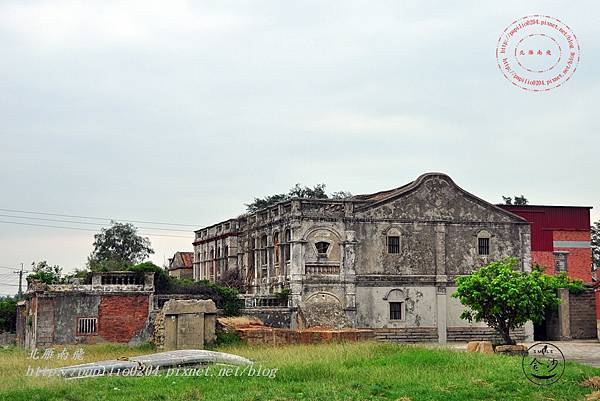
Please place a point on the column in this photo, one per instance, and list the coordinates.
(441, 280)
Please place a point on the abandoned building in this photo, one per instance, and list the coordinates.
(180, 265)
(386, 261)
(114, 307)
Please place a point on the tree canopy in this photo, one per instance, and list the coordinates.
(518, 200)
(297, 191)
(117, 247)
(506, 298)
(46, 273)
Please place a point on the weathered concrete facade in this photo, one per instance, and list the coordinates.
(386, 261)
(115, 307)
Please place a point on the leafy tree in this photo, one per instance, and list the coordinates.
(518, 200)
(341, 195)
(596, 244)
(298, 191)
(8, 314)
(117, 247)
(506, 298)
(521, 200)
(45, 273)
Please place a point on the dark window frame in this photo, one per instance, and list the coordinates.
(322, 247)
(483, 246)
(393, 244)
(396, 310)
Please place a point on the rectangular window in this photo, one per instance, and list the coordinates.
(393, 244)
(560, 262)
(484, 246)
(395, 310)
(87, 325)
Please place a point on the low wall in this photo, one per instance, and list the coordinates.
(407, 335)
(279, 317)
(462, 334)
(274, 336)
(582, 315)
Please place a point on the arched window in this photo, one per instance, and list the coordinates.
(484, 243)
(392, 241)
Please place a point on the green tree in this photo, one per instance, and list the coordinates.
(117, 247)
(8, 314)
(46, 273)
(506, 298)
(596, 244)
(297, 191)
(518, 200)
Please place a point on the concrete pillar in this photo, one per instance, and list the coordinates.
(564, 318)
(297, 249)
(348, 275)
(442, 314)
(441, 280)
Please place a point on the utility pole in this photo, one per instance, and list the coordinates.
(20, 273)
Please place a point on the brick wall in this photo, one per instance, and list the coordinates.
(121, 317)
(582, 315)
(579, 260)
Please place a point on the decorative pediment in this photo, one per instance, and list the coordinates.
(434, 197)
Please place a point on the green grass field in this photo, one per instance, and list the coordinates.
(345, 371)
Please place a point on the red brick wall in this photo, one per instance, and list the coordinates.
(545, 259)
(579, 260)
(121, 317)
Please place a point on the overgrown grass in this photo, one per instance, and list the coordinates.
(344, 371)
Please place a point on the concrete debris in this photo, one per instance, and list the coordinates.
(156, 362)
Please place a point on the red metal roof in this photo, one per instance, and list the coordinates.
(546, 219)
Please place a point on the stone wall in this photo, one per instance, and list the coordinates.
(272, 317)
(582, 315)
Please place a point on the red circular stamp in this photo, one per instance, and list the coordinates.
(537, 53)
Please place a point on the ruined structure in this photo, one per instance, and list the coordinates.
(180, 265)
(386, 261)
(114, 307)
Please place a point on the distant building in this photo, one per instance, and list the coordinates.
(560, 238)
(115, 307)
(181, 265)
(561, 242)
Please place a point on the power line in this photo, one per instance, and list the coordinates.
(86, 222)
(12, 285)
(98, 218)
(85, 229)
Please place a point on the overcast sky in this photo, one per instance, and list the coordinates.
(181, 112)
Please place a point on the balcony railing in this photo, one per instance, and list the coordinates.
(322, 269)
